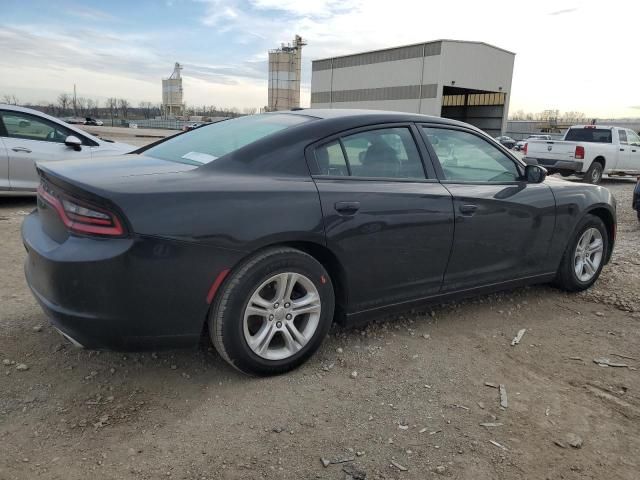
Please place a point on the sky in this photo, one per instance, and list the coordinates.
(571, 55)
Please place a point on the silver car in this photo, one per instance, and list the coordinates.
(28, 136)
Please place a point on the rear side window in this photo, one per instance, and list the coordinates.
(586, 134)
(381, 153)
(623, 136)
(206, 144)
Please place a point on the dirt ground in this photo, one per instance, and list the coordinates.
(418, 401)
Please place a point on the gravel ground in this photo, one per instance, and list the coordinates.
(405, 398)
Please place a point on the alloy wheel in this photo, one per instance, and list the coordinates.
(588, 254)
(281, 316)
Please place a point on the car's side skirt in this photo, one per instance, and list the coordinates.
(364, 316)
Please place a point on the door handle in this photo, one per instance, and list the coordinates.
(347, 208)
(622, 149)
(468, 209)
(21, 149)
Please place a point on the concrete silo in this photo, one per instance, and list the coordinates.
(172, 103)
(284, 75)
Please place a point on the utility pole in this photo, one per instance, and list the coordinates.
(75, 110)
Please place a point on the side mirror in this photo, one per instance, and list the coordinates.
(535, 173)
(73, 142)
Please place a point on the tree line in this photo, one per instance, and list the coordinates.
(549, 116)
(66, 105)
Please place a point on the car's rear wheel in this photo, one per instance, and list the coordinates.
(594, 174)
(273, 312)
(585, 255)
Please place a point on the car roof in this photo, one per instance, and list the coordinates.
(380, 115)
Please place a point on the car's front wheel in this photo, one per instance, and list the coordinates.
(273, 312)
(585, 255)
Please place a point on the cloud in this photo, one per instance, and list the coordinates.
(89, 13)
(563, 12)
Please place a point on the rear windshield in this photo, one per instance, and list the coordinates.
(595, 135)
(206, 144)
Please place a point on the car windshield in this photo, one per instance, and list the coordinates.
(587, 134)
(207, 143)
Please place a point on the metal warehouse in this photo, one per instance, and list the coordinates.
(467, 81)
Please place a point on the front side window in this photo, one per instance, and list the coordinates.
(465, 157)
(633, 138)
(206, 144)
(29, 127)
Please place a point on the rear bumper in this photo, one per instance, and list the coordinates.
(557, 165)
(122, 294)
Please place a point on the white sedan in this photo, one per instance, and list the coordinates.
(28, 136)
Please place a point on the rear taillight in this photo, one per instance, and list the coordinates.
(526, 145)
(579, 153)
(81, 217)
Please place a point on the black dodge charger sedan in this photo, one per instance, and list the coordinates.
(263, 230)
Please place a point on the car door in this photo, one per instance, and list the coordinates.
(4, 164)
(29, 139)
(503, 225)
(633, 147)
(624, 152)
(387, 219)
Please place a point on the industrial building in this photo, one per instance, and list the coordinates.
(284, 76)
(172, 101)
(467, 81)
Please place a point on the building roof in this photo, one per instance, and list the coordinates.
(416, 44)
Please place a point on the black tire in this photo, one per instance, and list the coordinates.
(594, 174)
(566, 278)
(638, 212)
(227, 313)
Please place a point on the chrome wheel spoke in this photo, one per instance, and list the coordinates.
(258, 311)
(589, 266)
(284, 285)
(594, 247)
(296, 334)
(310, 303)
(291, 345)
(257, 300)
(260, 342)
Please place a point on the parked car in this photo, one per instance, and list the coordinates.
(636, 198)
(520, 144)
(93, 121)
(267, 228)
(506, 141)
(191, 126)
(588, 151)
(28, 136)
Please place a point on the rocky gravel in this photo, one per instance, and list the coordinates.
(412, 396)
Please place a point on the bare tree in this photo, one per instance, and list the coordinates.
(146, 108)
(124, 107)
(10, 99)
(249, 110)
(64, 101)
(81, 105)
(112, 105)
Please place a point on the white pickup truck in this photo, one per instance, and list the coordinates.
(588, 151)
